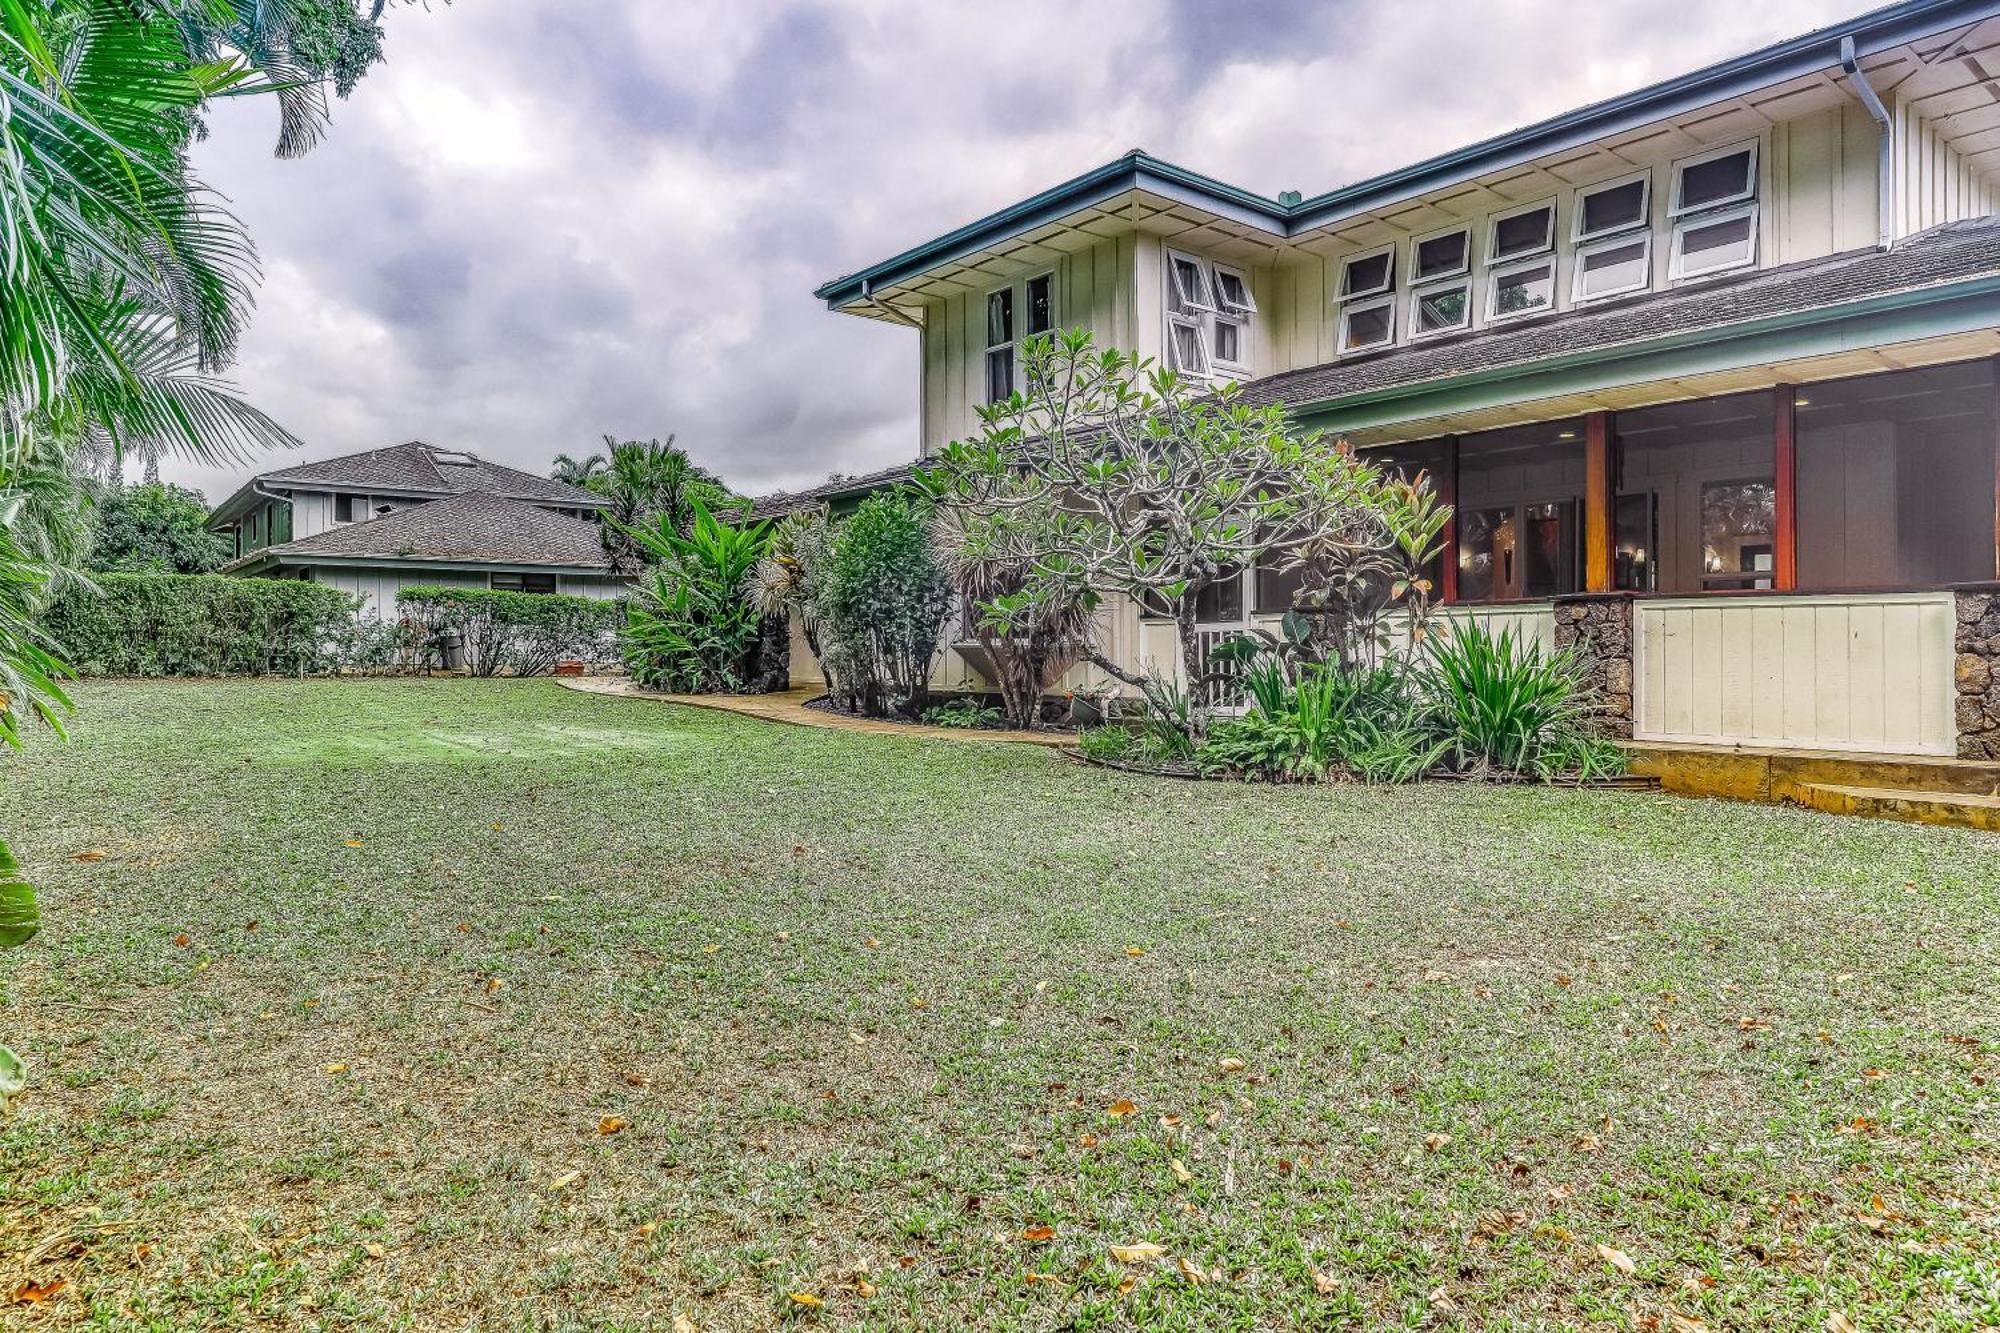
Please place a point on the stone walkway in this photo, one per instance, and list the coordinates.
(790, 707)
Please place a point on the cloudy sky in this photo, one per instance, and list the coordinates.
(544, 220)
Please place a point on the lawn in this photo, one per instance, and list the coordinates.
(454, 1004)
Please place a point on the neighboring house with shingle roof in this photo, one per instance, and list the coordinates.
(373, 522)
(1713, 366)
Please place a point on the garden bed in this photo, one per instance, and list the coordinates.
(966, 712)
(1190, 773)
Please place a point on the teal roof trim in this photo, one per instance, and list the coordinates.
(1872, 32)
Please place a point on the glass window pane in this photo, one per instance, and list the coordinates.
(999, 374)
(1366, 275)
(1185, 350)
(1696, 505)
(1221, 602)
(1040, 311)
(1620, 206)
(1443, 308)
(1190, 288)
(1228, 341)
(1526, 290)
(1230, 290)
(1717, 245)
(1520, 493)
(1614, 268)
(1716, 180)
(1365, 328)
(1523, 234)
(1895, 479)
(1000, 317)
(1442, 256)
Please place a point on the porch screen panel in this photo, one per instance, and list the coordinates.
(1520, 512)
(1696, 507)
(1895, 479)
(1278, 590)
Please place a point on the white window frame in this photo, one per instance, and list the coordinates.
(1416, 242)
(1494, 315)
(1388, 274)
(1749, 195)
(1193, 324)
(1494, 259)
(1355, 307)
(1011, 345)
(1677, 258)
(1613, 241)
(1241, 364)
(1225, 307)
(1181, 302)
(1584, 192)
(1420, 334)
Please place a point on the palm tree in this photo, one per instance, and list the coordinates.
(124, 284)
(578, 471)
(648, 483)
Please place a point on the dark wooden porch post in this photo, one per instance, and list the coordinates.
(1597, 502)
(1785, 556)
(1448, 492)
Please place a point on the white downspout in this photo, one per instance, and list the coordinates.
(1886, 151)
(897, 316)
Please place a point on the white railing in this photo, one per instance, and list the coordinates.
(1869, 672)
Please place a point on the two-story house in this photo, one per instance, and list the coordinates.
(1706, 370)
(384, 519)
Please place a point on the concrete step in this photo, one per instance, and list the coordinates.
(1954, 808)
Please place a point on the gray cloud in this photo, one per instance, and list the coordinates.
(541, 222)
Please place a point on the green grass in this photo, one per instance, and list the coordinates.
(865, 1003)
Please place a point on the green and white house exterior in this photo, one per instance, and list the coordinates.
(1707, 371)
(382, 520)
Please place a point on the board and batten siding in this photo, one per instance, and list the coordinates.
(1936, 184)
(1868, 672)
(1093, 289)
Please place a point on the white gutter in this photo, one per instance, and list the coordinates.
(1886, 150)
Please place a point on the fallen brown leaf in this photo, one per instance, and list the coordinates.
(1618, 1259)
(1139, 1252)
(612, 1124)
(1123, 1106)
(32, 1292)
(1038, 1233)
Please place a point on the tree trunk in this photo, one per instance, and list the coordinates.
(1192, 668)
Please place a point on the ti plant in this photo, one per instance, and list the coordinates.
(694, 627)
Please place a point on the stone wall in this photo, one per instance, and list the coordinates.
(1976, 672)
(1599, 628)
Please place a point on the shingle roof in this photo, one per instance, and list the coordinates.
(780, 503)
(482, 528)
(1949, 253)
(416, 468)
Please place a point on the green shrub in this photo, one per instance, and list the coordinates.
(696, 627)
(1109, 741)
(200, 625)
(1500, 703)
(522, 632)
(883, 607)
(1361, 721)
(965, 713)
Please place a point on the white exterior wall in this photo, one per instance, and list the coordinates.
(378, 587)
(1935, 184)
(1868, 672)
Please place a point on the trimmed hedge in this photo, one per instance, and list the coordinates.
(200, 625)
(523, 632)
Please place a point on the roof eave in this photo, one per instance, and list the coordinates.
(1134, 171)
(1872, 33)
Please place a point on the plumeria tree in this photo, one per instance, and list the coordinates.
(1143, 483)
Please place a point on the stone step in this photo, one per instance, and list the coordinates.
(1953, 808)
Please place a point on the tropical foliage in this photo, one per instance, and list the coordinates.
(160, 529)
(695, 626)
(648, 484)
(1502, 703)
(791, 578)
